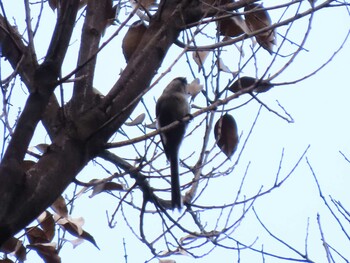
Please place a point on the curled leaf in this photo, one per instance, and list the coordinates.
(75, 227)
(138, 120)
(222, 67)
(36, 235)
(152, 125)
(232, 26)
(199, 57)
(194, 88)
(59, 206)
(85, 235)
(14, 246)
(47, 223)
(47, 252)
(257, 18)
(226, 134)
(246, 82)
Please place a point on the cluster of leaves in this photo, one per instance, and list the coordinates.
(40, 237)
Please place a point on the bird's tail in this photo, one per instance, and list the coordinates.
(175, 182)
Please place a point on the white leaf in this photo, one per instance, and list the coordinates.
(194, 88)
(199, 57)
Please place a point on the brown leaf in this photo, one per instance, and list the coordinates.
(14, 245)
(47, 252)
(231, 27)
(59, 206)
(36, 235)
(6, 260)
(47, 223)
(132, 38)
(73, 226)
(89, 238)
(138, 120)
(226, 134)
(246, 82)
(258, 20)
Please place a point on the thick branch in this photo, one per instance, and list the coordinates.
(16, 53)
(13, 183)
(24, 195)
(91, 34)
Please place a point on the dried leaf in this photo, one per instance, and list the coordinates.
(85, 235)
(47, 252)
(246, 82)
(36, 235)
(75, 242)
(152, 125)
(14, 246)
(138, 120)
(133, 38)
(75, 226)
(226, 134)
(232, 26)
(47, 224)
(258, 20)
(59, 206)
(107, 186)
(194, 88)
(222, 67)
(199, 57)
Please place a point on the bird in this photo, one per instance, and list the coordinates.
(132, 38)
(172, 106)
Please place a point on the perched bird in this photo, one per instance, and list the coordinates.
(132, 38)
(172, 106)
(257, 18)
